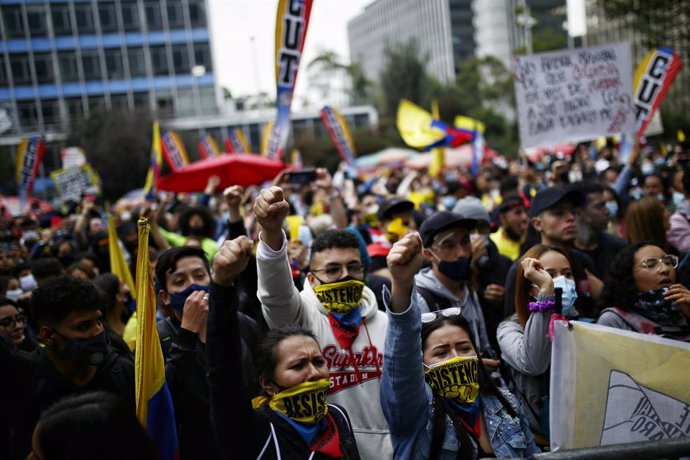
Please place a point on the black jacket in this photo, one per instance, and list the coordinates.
(243, 433)
(185, 374)
(30, 384)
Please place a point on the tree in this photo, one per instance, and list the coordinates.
(118, 146)
(327, 69)
(404, 76)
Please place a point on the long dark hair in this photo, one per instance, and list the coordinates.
(620, 289)
(486, 385)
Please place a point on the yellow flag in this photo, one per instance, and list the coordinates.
(438, 154)
(118, 263)
(414, 125)
(265, 136)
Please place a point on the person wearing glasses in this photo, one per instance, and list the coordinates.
(13, 325)
(444, 405)
(337, 306)
(643, 295)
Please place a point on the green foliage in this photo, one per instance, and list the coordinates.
(327, 66)
(118, 146)
(548, 39)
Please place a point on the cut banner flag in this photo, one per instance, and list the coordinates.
(208, 147)
(151, 185)
(292, 21)
(652, 80)
(236, 142)
(476, 128)
(610, 386)
(339, 133)
(154, 405)
(29, 157)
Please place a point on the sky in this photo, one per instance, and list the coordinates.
(243, 37)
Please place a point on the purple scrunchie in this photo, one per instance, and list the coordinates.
(542, 305)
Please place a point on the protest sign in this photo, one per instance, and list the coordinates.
(574, 95)
(610, 386)
(74, 183)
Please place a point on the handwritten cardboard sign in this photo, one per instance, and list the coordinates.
(574, 95)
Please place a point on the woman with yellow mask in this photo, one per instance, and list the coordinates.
(291, 418)
(444, 406)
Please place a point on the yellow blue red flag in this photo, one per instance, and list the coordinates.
(154, 405)
(292, 21)
(173, 150)
(118, 263)
(150, 186)
(438, 155)
(652, 80)
(208, 147)
(339, 133)
(265, 136)
(236, 142)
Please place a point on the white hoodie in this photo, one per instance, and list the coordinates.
(283, 304)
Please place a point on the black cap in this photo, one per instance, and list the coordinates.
(550, 197)
(394, 205)
(441, 221)
(511, 202)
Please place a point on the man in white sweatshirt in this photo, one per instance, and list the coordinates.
(337, 306)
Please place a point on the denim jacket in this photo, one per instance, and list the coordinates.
(407, 400)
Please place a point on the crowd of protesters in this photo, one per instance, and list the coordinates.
(389, 314)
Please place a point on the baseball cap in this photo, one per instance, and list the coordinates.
(550, 197)
(511, 202)
(441, 221)
(394, 205)
(471, 208)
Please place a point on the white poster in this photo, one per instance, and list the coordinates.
(574, 95)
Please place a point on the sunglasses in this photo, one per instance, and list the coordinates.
(447, 313)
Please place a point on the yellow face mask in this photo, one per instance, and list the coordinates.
(303, 403)
(456, 378)
(396, 230)
(341, 297)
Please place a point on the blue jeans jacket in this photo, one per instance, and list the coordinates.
(407, 400)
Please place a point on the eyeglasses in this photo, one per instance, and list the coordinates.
(11, 321)
(335, 271)
(655, 264)
(447, 312)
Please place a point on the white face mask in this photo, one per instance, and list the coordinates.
(27, 282)
(569, 295)
(14, 294)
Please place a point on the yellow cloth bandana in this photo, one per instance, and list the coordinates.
(303, 403)
(456, 378)
(342, 297)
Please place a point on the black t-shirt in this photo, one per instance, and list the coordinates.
(608, 248)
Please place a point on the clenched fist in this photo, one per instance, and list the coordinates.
(231, 260)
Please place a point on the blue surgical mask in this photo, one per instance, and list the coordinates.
(613, 208)
(178, 299)
(678, 198)
(647, 168)
(14, 294)
(449, 201)
(569, 295)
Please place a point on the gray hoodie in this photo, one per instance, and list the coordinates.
(469, 304)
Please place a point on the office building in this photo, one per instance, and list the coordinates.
(60, 60)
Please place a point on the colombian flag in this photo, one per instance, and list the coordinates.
(438, 158)
(156, 163)
(208, 147)
(118, 264)
(154, 405)
(173, 150)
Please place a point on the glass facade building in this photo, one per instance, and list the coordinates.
(60, 60)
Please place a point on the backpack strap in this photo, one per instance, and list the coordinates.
(434, 301)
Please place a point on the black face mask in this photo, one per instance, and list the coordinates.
(197, 231)
(87, 352)
(459, 270)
